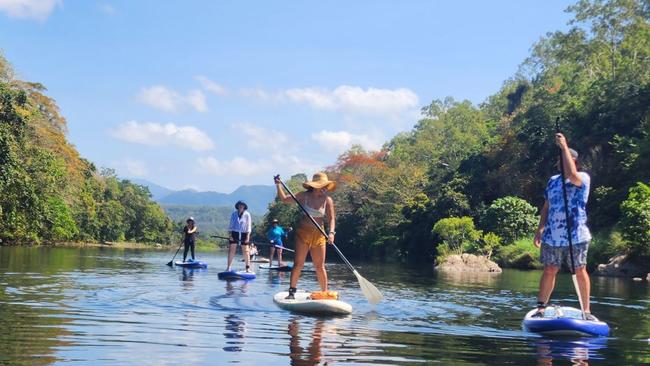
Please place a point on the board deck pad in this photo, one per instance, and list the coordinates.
(304, 305)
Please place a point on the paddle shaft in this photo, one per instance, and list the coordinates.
(175, 254)
(258, 243)
(566, 203)
(569, 230)
(315, 223)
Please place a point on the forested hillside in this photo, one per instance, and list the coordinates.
(49, 193)
(484, 165)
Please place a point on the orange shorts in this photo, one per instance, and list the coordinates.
(307, 233)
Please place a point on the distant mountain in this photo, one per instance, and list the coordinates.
(157, 191)
(257, 197)
(209, 219)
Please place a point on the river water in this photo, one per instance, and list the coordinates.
(99, 306)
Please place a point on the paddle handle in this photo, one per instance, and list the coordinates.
(322, 231)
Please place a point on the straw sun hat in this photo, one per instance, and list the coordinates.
(320, 181)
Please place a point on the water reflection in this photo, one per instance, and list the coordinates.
(469, 278)
(187, 278)
(278, 277)
(235, 332)
(578, 351)
(312, 354)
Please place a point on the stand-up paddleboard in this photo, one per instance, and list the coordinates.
(565, 321)
(286, 268)
(236, 275)
(191, 264)
(304, 305)
(258, 260)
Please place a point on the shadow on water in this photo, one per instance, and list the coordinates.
(107, 306)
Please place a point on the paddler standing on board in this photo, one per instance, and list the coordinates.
(309, 239)
(239, 233)
(551, 233)
(275, 235)
(189, 238)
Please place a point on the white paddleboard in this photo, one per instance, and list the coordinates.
(302, 304)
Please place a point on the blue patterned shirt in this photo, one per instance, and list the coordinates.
(555, 230)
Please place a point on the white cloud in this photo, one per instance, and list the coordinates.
(316, 98)
(211, 86)
(29, 9)
(136, 168)
(196, 99)
(130, 168)
(168, 100)
(260, 138)
(262, 94)
(240, 166)
(107, 9)
(339, 141)
(345, 98)
(157, 134)
(237, 166)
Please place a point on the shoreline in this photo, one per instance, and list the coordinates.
(120, 245)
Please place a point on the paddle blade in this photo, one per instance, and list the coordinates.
(170, 263)
(369, 290)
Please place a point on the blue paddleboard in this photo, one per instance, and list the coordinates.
(236, 275)
(564, 321)
(191, 264)
(276, 268)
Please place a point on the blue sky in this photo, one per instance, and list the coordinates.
(215, 94)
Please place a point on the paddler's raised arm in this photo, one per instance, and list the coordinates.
(282, 195)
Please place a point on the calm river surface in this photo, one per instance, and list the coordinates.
(122, 307)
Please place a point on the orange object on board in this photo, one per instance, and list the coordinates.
(324, 295)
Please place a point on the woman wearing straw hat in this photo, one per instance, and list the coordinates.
(309, 239)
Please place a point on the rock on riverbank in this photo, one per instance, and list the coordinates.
(467, 263)
(621, 266)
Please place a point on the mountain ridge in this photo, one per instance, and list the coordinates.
(257, 197)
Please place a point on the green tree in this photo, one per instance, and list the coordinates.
(457, 233)
(112, 218)
(635, 219)
(511, 218)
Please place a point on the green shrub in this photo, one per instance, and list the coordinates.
(604, 246)
(511, 218)
(521, 254)
(635, 220)
(457, 233)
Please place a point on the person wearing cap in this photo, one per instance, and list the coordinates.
(189, 236)
(551, 235)
(274, 236)
(309, 239)
(239, 230)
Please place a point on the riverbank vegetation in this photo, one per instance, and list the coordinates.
(484, 167)
(49, 193)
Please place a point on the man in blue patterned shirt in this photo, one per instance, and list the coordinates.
(551, 233)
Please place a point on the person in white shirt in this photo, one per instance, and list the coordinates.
(239, 232)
